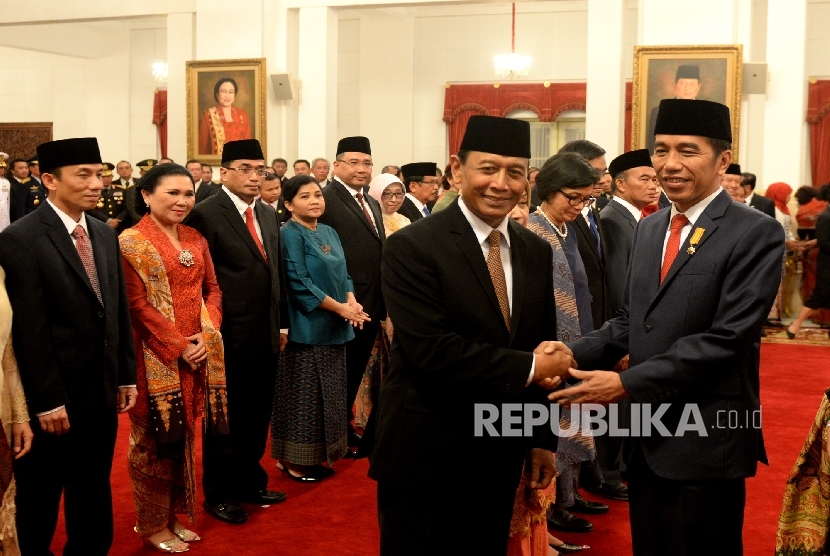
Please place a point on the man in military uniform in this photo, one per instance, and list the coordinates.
(125, 175)
(111, 207)
(26, 193)
(5, 194)
(144, 166)
(4, 163)
(34, 169)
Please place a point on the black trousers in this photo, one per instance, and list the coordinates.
(358, 351)
(469, 514)
(230, 463)
(684, 518)
(610, 448)
(78, 465)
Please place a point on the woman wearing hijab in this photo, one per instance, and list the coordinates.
(388, 190)
(780, 193)
(176, 310)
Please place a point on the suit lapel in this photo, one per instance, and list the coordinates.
(351, 204)
(654, 238)
(625, 213)
(518, 249)
(268, 226)
(99, 251)
(468, 244)
(582, 226)
(236, 222)
(374, 206)
(66, 247)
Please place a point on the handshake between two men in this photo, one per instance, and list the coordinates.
(555, 363)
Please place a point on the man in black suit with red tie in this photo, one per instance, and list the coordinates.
(702, 278)
(358, 221)
(244, 242)
(74, 346)
(471, 319)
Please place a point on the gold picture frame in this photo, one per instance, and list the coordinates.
(656, 76)
(211, 122)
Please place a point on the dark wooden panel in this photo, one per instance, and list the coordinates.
(19, 140)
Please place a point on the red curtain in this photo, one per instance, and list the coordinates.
(546, 100)
(817, 107)
(160, 118)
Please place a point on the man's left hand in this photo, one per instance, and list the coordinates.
(540, 468)
(602, 387)
(127, 398)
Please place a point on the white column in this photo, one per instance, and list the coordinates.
(180, 49)
(386, 80)
(605, 97)
(784, 123)
(317, 117)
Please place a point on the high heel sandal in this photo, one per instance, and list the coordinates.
(790, 335)
(186, 534)
(310, 477)
(172, 546)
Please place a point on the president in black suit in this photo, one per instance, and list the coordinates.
(358, 221)
(244, 242)
(767, 206)
(702, 278)
(421, 187)
(468, 317)
(74, 346)
(590, 235)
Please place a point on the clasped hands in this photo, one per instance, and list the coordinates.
(353, 312)
(195, 353)
(555, 362)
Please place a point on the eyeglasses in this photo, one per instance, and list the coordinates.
(246, 171)
(576, 200)
(357, 163)
(432, 183)
(389, 195)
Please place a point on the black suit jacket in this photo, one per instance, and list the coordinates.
(362, 245)
(767, 206)
(695, 338)
(124, 185)
(409, 210)
(451, 348)
(601, 202)
(594, 267)
(253, 303)
(206, 189)
(71, 348)
(618, 225)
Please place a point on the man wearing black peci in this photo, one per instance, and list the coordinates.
(244, 242)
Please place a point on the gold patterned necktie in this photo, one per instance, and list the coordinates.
(84, 248)
(497, 274)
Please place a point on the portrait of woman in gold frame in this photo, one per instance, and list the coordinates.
(712, 72)
(225, 102)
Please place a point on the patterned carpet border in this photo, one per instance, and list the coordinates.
(805, 337)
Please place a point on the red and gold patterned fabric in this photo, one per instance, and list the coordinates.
(215, 130)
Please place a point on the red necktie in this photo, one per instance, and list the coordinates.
(673, 245)
(649, 209)
(249, 222)
(84, 248)
(365, 211)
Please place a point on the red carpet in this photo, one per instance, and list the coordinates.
(338, 517)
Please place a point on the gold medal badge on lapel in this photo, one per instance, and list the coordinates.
(698, 233)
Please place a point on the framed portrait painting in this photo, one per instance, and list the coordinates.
(225, 102)
(710, 72)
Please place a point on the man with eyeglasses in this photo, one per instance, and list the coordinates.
(357, 219)
(421, 186)
(244, 242)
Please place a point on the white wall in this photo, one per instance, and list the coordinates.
(818, 40)
(146, 46)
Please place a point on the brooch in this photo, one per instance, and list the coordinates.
(326, 249)
(695, 239)
(186, 257)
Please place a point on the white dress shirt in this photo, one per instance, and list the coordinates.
(242, 206)
(749, 197)
(637, 214)
(692, 213)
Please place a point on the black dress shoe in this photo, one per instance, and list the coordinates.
(586, 506)
(567, 548)
(614, 492)
(563, 520)
(229, 513)
(312, 476)
(265, 497)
